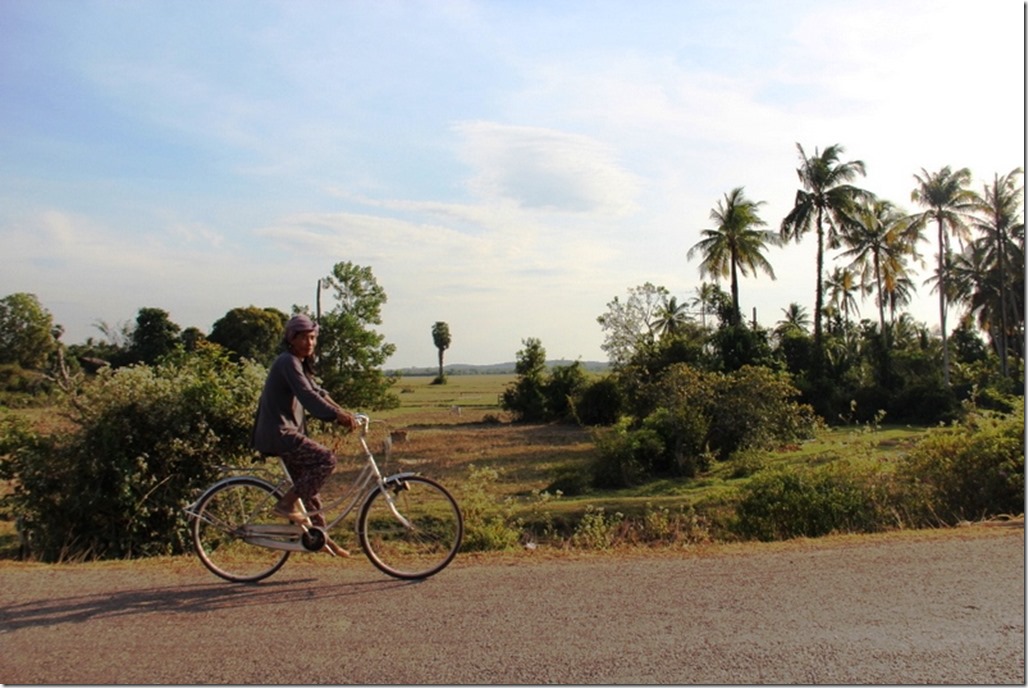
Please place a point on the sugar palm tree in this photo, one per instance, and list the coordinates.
(823, 205)
(1000, 223)
(735, 246)
(878, 242)
(948, 200)
(441, 338)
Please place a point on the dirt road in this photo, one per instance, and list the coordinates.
(908, 608)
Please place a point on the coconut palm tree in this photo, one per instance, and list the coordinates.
(878, 244)
(842, 288)
(671, 317)
(948, 200)
(708, 295)
(735, 246)
(795, 318)
(823, 205)
(999, 222)
(900, 294)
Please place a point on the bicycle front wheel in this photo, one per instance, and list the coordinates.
(229, 519)
(418, 539)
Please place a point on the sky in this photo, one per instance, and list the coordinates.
(508, 167)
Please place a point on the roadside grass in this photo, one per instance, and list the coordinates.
(454, 431)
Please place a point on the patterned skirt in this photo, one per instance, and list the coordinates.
(309, 466)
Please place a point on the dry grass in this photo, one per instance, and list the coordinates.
(447, 429)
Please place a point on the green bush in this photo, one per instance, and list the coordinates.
(691, 416)
(754, 407)
(625, 456)
(144, 441)
(488, 524)
(600, 403)
(811, 502)
(971, 471)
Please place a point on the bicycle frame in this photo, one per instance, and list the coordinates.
(369, 478)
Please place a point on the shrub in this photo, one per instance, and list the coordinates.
(970, 471)
(145, 440)
(811, 502)
(754, 408)
(600, 403)
(597, 530)
(488, 524)
(624, 455)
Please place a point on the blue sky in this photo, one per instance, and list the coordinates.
(508, 167)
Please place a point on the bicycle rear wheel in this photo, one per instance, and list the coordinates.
(421, 549)
(223, 530)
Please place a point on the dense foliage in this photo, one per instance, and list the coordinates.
(687, 417)
(141, 441)
(968, 472)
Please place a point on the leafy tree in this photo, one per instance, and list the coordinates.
(526, 397)
(628, 324)
(251, 332)
(564, 385)
(27, 333)
(351, 352)
(154, 336)
(948, 200)
(734, 245)
(441, 339)
(823, 204)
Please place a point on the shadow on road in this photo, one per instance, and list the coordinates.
(196, 598)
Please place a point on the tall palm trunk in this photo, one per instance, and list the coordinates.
(819, 298)
(736, 314)
(1001, 240)
(881, 298)
(943, 251)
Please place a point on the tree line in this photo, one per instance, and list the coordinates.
(878, 244)
(351, 352)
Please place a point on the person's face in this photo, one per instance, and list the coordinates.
(303, 343)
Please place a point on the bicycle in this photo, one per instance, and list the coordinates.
(409, 526)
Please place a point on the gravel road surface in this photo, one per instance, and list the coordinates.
(932, 607)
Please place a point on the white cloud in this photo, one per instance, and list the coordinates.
(545, 169)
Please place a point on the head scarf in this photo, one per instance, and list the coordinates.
(296, 325)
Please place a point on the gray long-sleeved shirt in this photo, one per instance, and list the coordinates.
(281, 423)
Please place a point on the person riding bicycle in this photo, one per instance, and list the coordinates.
(280, 428)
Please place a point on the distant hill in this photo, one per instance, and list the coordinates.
(492, 369)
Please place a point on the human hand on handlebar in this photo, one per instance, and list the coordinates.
(347, 420)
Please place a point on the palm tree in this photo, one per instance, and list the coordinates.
(878, 245)
(734, 246)
(670, 318)
(796, 319)
(948, 200)
(441, 339)
(999, 221)
(706, 299)
(822, 204)
(842, 286)
(901, 293)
